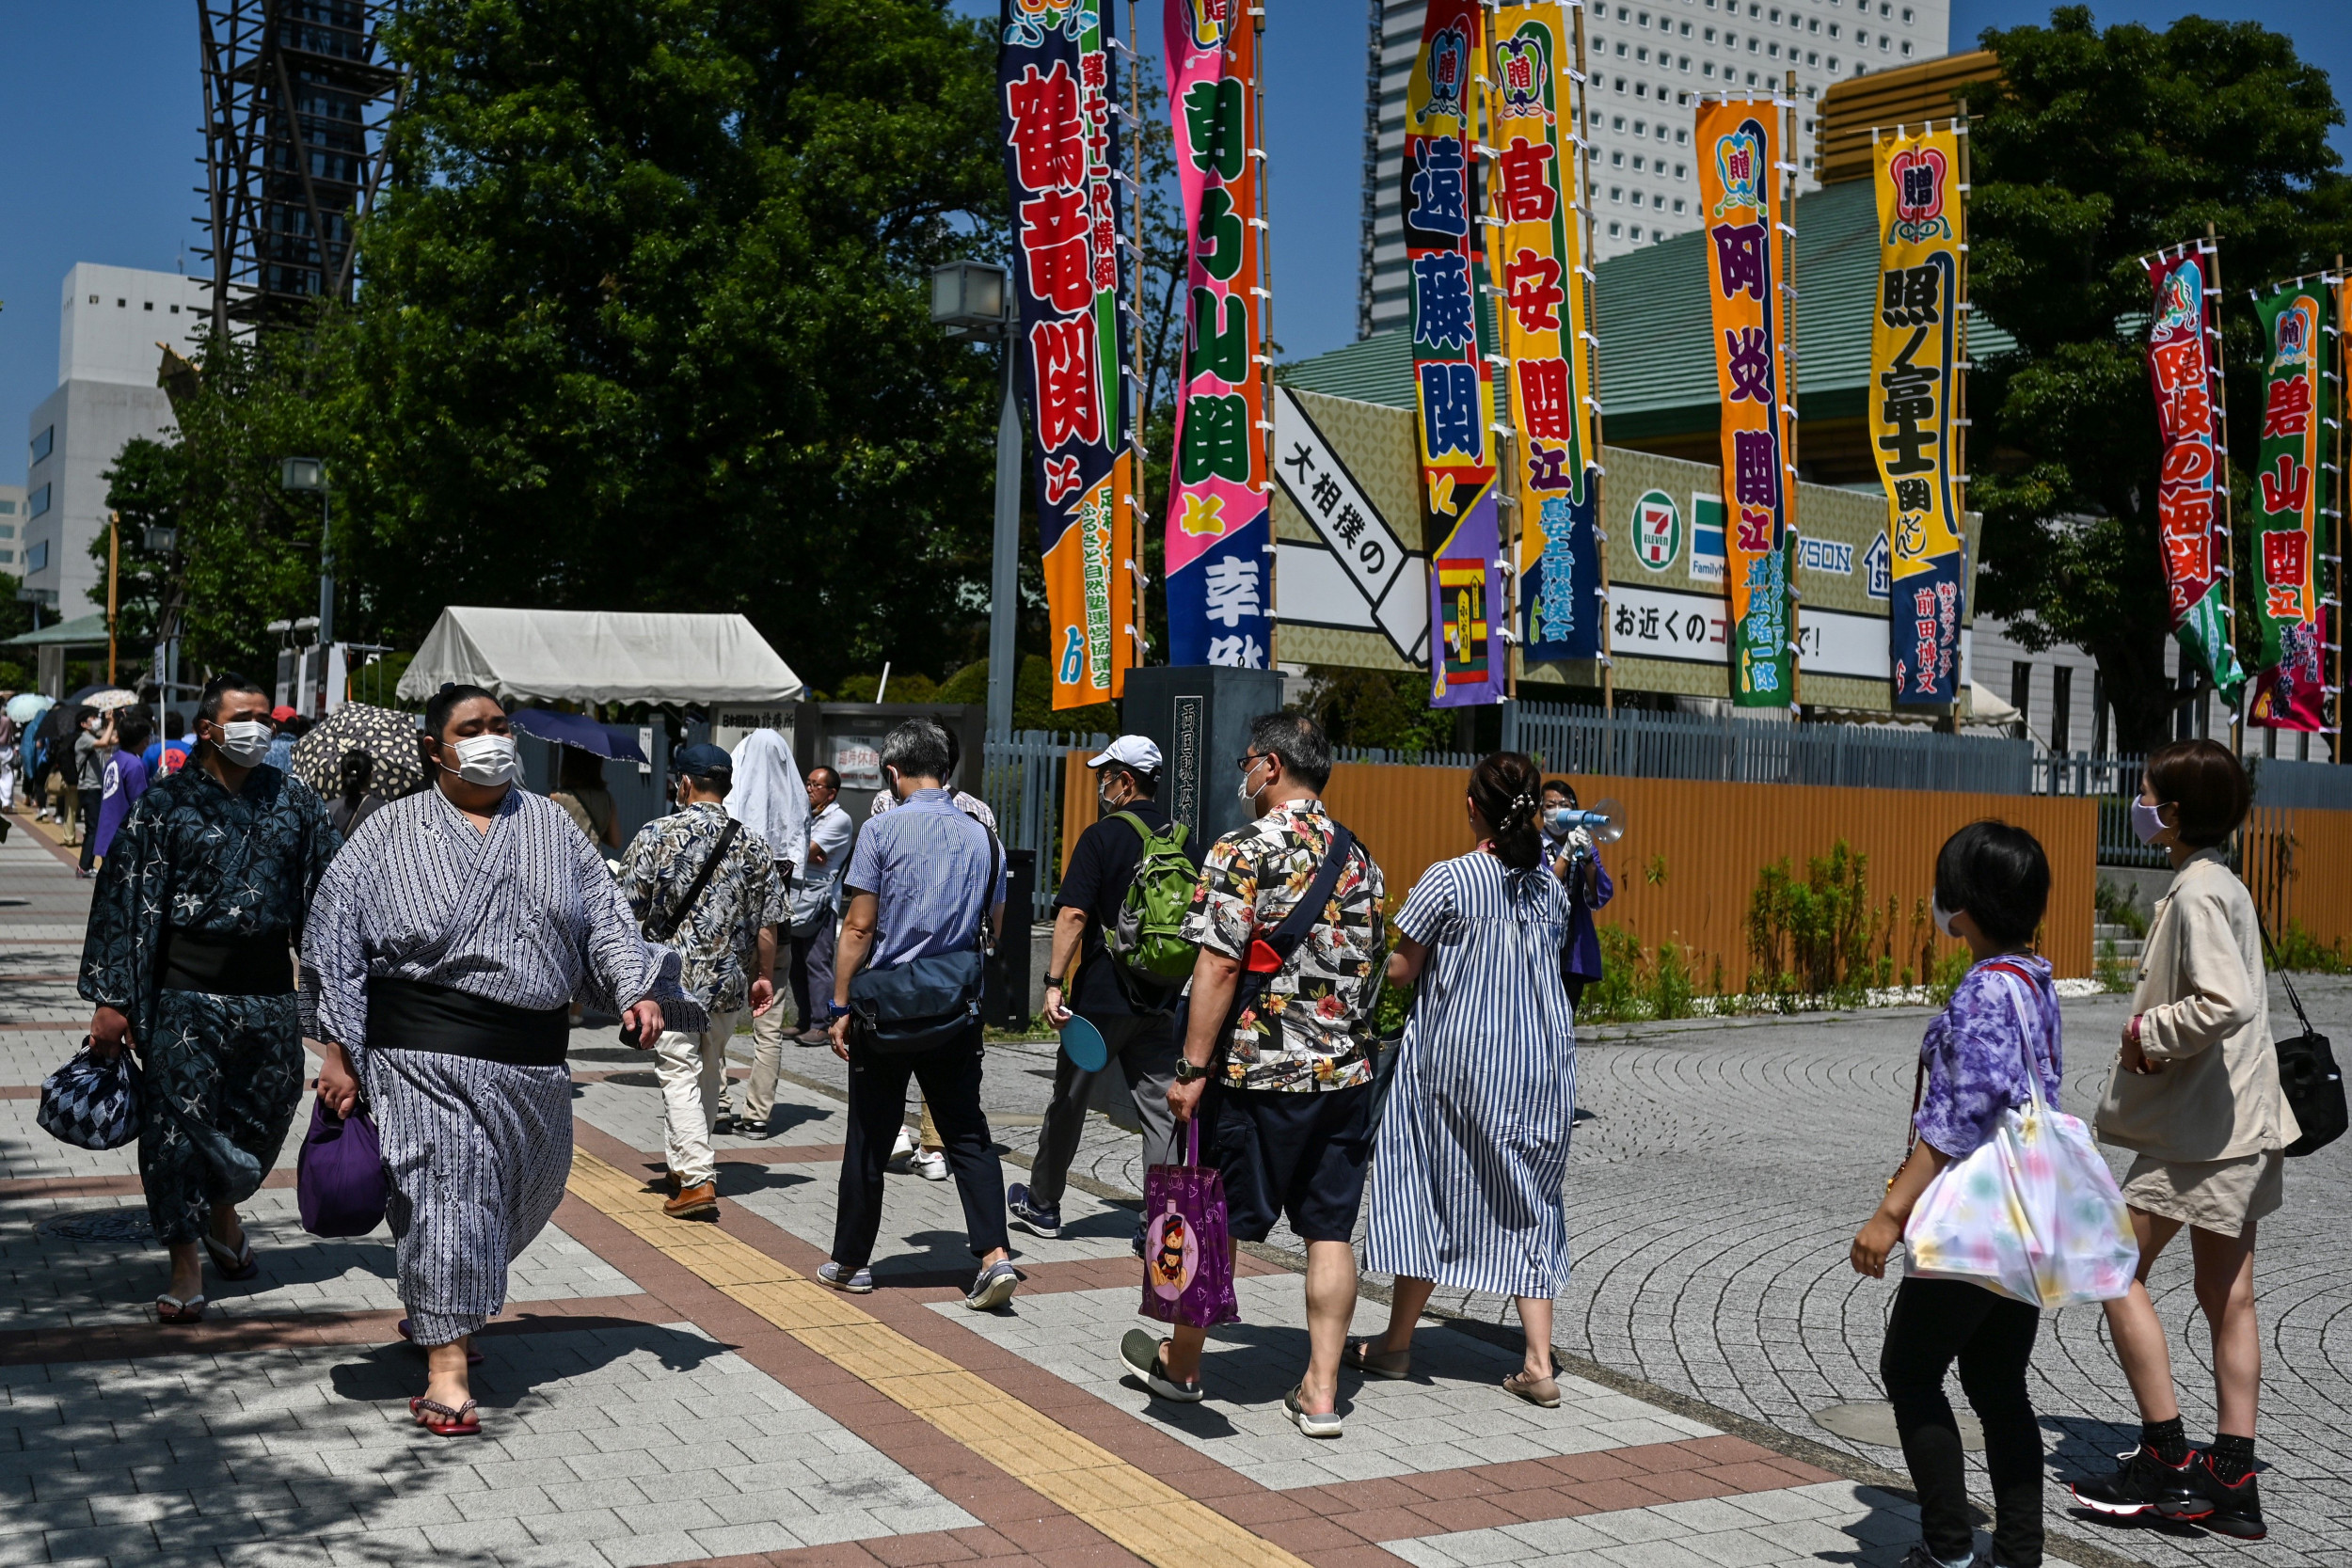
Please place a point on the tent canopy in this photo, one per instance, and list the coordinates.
(598, 655)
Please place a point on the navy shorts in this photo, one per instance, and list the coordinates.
(1300, 1155)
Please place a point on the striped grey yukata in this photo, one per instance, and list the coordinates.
(528, 915)
(1473, 1147)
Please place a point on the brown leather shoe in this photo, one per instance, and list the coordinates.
(693, 1203)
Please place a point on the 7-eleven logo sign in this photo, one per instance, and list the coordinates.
(1657, 531)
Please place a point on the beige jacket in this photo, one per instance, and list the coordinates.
(2204, 1022)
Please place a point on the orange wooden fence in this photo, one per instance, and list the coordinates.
(2299, 863)
(1689, 858)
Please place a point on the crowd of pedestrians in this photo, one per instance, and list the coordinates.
(1235, 987)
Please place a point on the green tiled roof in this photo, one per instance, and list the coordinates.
(1657, 365)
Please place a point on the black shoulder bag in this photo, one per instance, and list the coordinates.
(923, 1004)
(2307, 1075)
(1268, 954)
(662, 930)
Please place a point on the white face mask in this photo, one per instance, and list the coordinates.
(1247, 774)
(1943, 917)
(245, 742)
(485, 759)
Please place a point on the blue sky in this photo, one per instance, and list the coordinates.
(101, 104)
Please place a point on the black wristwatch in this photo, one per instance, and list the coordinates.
(1186, 1072)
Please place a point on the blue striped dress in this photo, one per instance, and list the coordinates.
(1473, 1148)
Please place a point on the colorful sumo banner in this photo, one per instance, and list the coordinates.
(1738, 155)
(1220, 540)
(1915, 357)
(1538, 261)
(1453, 387)
(2192, 525)
(2290, 682)
(1054, 78)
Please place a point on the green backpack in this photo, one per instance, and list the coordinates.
(1146, 936)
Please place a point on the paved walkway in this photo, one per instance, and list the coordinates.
(662, 1392)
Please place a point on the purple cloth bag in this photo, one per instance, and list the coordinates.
(338, 1176)
(1188, 1250)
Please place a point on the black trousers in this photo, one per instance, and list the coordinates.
(950, 1077)
(1935, 1323)
(92, 802)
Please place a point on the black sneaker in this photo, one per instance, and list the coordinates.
(2146, 1484)
(2237, 1506)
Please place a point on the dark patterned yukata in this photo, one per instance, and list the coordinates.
(221, 1074)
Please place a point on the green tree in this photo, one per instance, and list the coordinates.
(2096, 148)
(645, 320)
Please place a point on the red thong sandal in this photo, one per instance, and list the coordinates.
(460, 1422)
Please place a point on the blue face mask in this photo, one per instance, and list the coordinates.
(2147, 821)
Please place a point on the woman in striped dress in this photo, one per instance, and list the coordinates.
(1473, 1147)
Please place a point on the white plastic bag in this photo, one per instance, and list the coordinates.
(2033, 1213)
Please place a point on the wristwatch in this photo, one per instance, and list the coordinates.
(1186, 1072)
(1053, 982)
(834, 1011)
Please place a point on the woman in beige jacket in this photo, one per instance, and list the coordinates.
(2195, 1096)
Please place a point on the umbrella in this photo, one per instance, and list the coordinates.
(101, 698)
(26, 706)
(576, 729)
(388, 736)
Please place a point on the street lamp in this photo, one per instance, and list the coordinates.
(972, 301)
(308, 475)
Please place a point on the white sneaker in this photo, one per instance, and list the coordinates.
(931, 1165)
(903, 1149)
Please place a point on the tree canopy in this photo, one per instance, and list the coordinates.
(2098, 147)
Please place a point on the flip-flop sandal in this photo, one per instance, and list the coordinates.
(171, 1310)
(473, 1356)
(1361, 1358)
(1543, 1391)
(235, 1267)
(460, 1422)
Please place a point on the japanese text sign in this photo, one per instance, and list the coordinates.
(2292, 488)
(2192, 497)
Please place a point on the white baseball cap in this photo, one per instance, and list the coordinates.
(1134, 750)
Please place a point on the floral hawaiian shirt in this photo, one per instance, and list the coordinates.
(1313, 1027)
(720, 940)
(1974, 1054)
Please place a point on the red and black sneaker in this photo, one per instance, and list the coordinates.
(2237, 1506)
(2146, 1484)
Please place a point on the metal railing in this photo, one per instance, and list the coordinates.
(2279, 781)
(1023, 785)
(1644, 745)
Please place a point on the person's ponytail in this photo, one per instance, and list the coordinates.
(1507, 789)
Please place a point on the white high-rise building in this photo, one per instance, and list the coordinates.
(11, 528)
(111, 334)
(1648, 61)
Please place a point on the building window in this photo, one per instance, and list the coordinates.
(2061, 706)
(1833, 29)
(1636, 232)
(8, 509)
(1616, 230)
(1906, 47)
(1642, 54)
(36, 505)
(7, 530)
(1883, 43)
(1616, 160)
(1678, 206)
(1642, 19)
(1813, 25)
(2021, 692)
(37, 558)
(1637, 161)
(122, 305)
(1707, 68)
(1906, 16)
(44, 443)
(1682, 171)
(1686, 62)
(1616, 194)
(1682, 135)
(93, 299)
(1641, 128)
(1711, 35)
(1641, 89)
(1861, 38)
(175, 309)
(1812, 59)
(1621, 49)
(1773, 50)
(1617, 124)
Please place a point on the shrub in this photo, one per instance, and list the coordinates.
(1817, 939)
(2297, 949)
(2112, 973)
(2115, 907)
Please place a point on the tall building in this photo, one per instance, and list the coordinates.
(111, 335)
(11, 526)
(1648, 63)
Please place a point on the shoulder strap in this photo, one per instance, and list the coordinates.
(2270, 961)
(694, 890)
(2028, 1028)
(1301, 920)
(1133, 821)
(988, 889)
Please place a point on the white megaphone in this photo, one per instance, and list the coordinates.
(1605, 821)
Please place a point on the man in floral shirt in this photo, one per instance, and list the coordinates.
(728, 937)
(1283, 1094)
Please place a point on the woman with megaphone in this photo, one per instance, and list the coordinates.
(1572, 841)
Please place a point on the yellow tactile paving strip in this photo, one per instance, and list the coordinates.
(1146, 1516)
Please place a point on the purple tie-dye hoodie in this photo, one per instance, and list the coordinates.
(1975, 1065)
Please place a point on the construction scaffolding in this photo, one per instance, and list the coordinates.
(296, 100)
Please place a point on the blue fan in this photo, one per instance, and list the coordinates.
(1083, 1043)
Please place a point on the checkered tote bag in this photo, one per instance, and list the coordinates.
(92, 1104)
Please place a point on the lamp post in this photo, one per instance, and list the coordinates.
(309, 474)
(970, 300)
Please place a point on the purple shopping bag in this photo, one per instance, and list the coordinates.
(1187, 1251)
(338, 1176)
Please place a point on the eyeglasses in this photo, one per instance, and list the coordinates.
(1247, 763)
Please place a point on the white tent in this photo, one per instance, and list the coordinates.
(597, 656)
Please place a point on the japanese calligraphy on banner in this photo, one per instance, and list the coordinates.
(1915, 353)
(2290, 682)
(1220, 540)
(1537, 261)
(1739, 152)
(1453, 387)
(1055, 78)
(2192, 527)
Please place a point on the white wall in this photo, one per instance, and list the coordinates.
(114, 318)
(11, 528)
(90, 420)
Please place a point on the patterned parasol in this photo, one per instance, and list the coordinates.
(388, 736)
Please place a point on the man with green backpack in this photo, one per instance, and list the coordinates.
(1116, 921)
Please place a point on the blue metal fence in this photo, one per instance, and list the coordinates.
(1023, 785)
